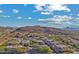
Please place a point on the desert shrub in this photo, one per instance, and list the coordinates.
(1, 33)
(33, 42)
(21, 50)
(54, 38)
(76, 46)
(2, 48)
(42, 49)
(67, 50)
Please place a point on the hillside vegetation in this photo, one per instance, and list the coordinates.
(38, 40)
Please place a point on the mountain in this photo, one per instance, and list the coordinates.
(37, 39)
(72, 28)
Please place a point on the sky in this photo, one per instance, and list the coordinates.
(48, 15)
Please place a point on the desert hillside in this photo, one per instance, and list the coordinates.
(37, 39)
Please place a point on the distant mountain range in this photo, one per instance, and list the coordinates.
(66, 28)
(72, 28)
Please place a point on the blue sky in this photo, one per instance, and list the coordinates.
(59, 16)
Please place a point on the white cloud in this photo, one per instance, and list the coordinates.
(77, 14)
(19, 17)
(5, 16)
(8, 16)
(52, 7)
(39, 7)
(1, 11)
(57, 19)
(15, 11)
(58, 8)
(45, 13)
(29, 17)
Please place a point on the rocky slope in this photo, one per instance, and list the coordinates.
(37, 39)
